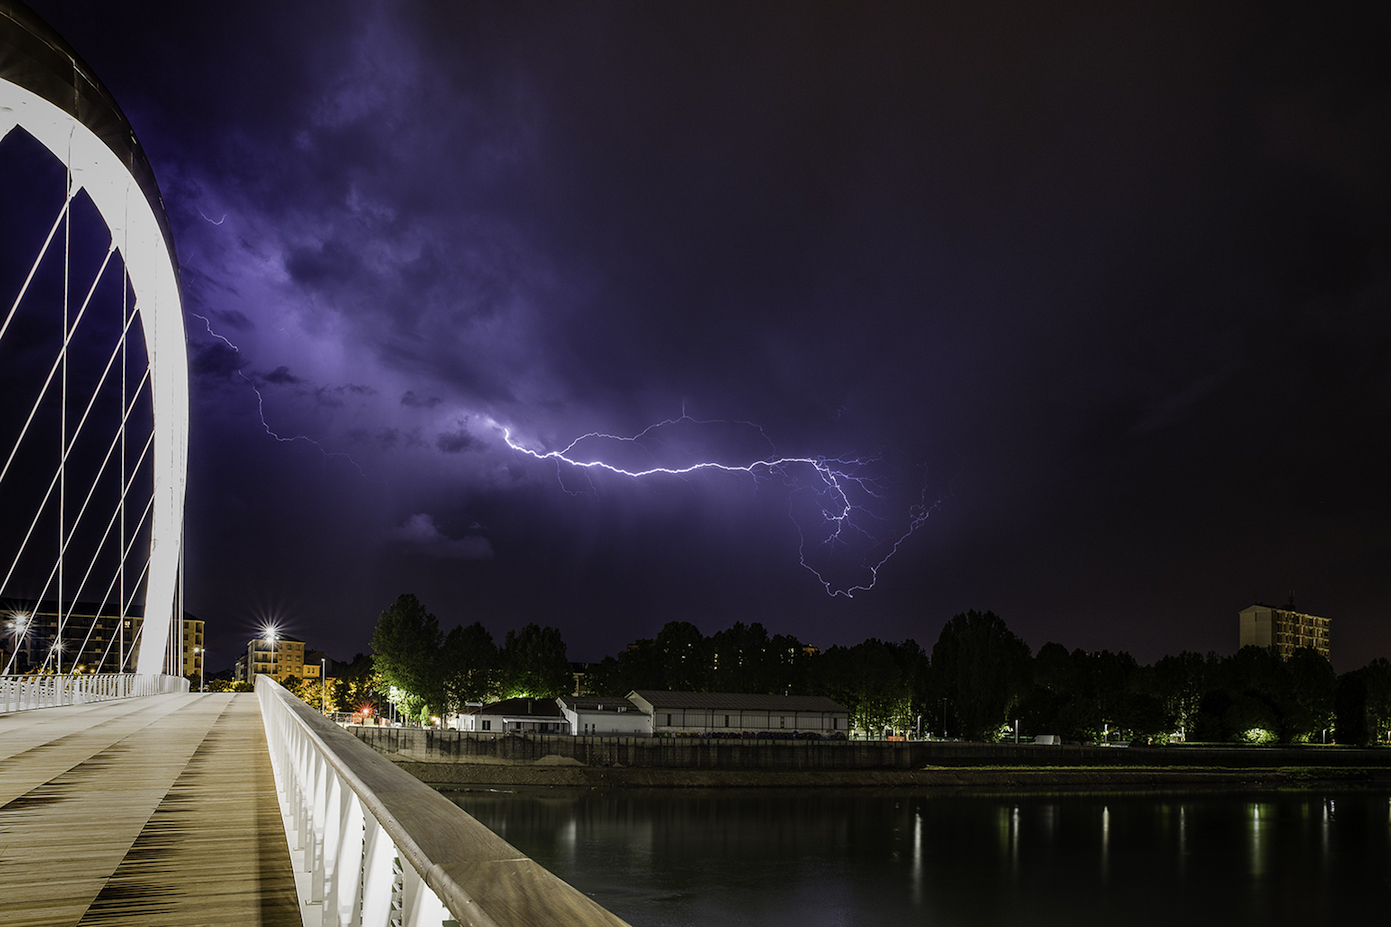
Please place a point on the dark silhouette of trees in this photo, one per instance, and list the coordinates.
(406, 654)
(680, 656)
(868, 682)
(982, 669)
(471, 664)
(1305, 698)
(357, 684)
(1363, 704)
(979, 671)
(535, 664)
(741, 660)
(1179, 683)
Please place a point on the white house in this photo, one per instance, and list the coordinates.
(591, 715)
(513, 716)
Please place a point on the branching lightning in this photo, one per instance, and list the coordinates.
(845, 492)
(261, 400)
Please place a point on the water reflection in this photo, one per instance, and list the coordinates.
(839, 857)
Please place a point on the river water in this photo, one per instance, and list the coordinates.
(811, 857)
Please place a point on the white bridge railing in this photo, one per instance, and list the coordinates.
(21, 693)
(375, 846)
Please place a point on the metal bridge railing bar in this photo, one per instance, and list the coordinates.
(375, 846)
(22, 693)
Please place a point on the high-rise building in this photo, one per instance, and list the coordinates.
(1284, 629)
(93, 639)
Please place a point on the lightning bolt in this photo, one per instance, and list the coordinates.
(843, 489)
(261, 401)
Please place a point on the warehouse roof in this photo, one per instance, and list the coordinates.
(734, 701)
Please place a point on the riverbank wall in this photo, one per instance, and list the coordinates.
(425, 746)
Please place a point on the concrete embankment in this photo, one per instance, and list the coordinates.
(452, 757)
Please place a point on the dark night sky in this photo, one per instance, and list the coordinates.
(1109, 281)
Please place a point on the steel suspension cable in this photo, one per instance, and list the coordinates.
(126, 552)
(106, 596)
(14, 307)
(57, 362)
(91, 565)
(43, 504)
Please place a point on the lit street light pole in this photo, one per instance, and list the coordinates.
(271, 634)
(19, 629)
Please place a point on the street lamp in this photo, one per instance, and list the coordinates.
(323, 683)
(201, 655)
(271, 632)
(18, 628)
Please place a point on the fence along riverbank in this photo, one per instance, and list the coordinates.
(423, 745)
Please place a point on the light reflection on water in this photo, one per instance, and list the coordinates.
(810, 857)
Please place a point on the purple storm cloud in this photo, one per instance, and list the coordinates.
(1109, 283)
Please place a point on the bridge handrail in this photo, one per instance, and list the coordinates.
(23, 693)
(351, 811)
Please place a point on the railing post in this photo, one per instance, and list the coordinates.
(347, 885)
(420, 907)
(314, 849)
(378, 875)
(335, 814)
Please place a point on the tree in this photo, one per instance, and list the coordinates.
(1306, 698)
(1179, 682)
(915, 669)
(312, 692)
(406, 653)
(982, 668)
(741, 662)
(867, 681)
(1363, 703)
(681, 655)
(790, 665)
(471, 664)
(1054, 669)
(357, 684)
(1377, 676)
(534, 663)
(1350, 705)
(1253, 679)
(637, 667)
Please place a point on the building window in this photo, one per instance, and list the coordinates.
(487, 725)
(726, 720)
(668, 720)
(782, 722)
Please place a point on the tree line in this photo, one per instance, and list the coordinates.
(433, 672)
(977, 682)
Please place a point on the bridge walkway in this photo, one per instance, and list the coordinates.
(147, 811)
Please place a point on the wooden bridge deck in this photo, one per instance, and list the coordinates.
(158, 810)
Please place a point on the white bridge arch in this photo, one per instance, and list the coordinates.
(47, 90)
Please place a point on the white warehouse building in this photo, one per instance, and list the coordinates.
(733, 713)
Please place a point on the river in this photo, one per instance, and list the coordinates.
(812, 857)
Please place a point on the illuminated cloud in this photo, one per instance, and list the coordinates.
(419, 535)
(1077, 274)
